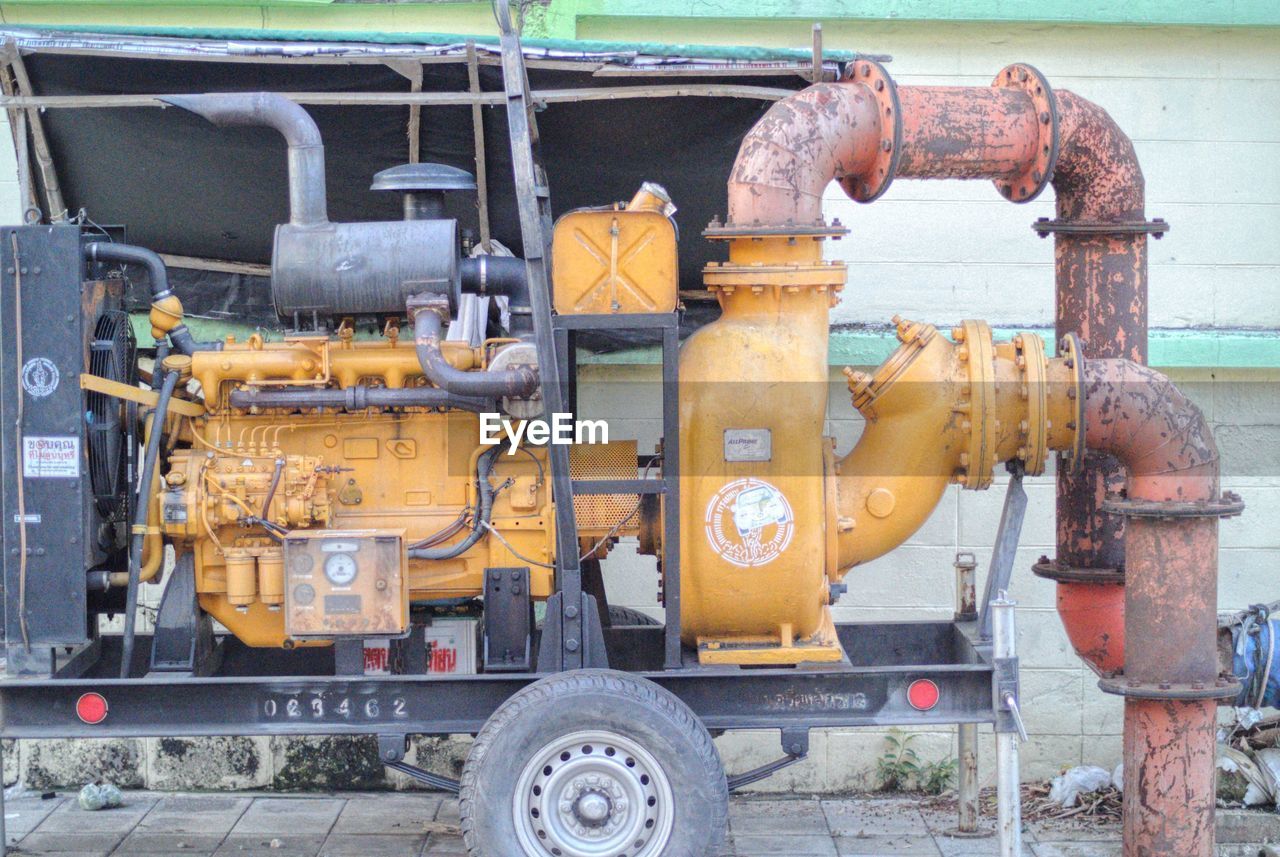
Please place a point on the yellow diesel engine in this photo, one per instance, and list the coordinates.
(324, 483)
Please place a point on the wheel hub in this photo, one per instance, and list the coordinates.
(593, 794)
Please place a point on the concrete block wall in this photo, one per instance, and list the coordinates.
(1199, 105)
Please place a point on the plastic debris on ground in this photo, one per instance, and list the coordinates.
(95, 796)
(1066, 789)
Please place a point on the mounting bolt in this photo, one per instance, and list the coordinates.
(571, 611)
(571, 644)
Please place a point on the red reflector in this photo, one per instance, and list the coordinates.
(92, 708)
(923, 694)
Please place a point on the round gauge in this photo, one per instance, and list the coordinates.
(340, 568)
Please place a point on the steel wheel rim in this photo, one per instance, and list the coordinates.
(593, 794)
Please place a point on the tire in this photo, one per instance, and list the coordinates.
(593, 763)
(627, 616)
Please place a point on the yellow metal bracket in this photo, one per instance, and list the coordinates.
(98, 384)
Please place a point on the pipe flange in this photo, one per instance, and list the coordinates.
(1072, 353)
(976, 348)
(1031, 182)
(872, 185)
(1059, 572)
(1156, 227)
(1227, 506)
(1034, 366)
(717, 231)
(1224, 687)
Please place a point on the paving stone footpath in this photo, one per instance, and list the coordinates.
(426, 825)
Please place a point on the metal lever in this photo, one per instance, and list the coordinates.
(1011, 702)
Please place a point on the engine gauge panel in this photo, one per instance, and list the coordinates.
(341, 569)
(345, 583)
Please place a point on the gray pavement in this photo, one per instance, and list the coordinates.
(426, 825)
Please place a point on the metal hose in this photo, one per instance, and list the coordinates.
(162, 297)
(484, 511)
(358, 398)
(501, 275)
(517, 383)
(140, 515)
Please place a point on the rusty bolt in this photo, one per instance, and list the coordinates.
(1071, 425)
(1044, 117)
(1071, 392)
(1037, 176)
(879, 86)
(1022, 74)
(1164, 685)
(885, 145)
(957, 333)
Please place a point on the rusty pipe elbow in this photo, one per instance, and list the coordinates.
(1098, 177)
(1164, 441)
(427, 323)
(826, 131)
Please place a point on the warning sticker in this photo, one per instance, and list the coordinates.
(749, 522)
(51, 457)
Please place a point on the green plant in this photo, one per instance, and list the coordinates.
(936, 777)
(900, 763)
(900, 768)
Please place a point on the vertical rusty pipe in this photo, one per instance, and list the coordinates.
(1171, 547)
(1101, 286)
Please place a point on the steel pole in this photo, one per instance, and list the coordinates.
(1008, 782)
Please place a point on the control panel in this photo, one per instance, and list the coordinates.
(346, 583)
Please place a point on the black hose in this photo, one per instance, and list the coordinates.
(140, 518)
(108, 251)
(359, 397)
(518, 382)
(501, 275)
(485, 492)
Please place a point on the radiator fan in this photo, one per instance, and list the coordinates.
(111, 356)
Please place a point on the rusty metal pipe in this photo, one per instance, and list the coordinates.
(824, 132)
(1171, 547)
(966, 132)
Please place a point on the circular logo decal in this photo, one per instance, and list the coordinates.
(749, 522)
(39, 377)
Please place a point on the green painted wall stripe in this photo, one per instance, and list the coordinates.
(711, 52)
(1230, 13)
(1181, 348)
(1177, 348)
(558, 19)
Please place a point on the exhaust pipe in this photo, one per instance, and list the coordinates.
(268, 109)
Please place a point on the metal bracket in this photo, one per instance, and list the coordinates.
(508, 620)
(183, 641)
(557, 637)
(1006, 546)
(1006, 691)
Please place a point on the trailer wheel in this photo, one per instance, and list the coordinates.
(593, 763)
(626, 616)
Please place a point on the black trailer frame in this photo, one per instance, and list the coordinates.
(235, 690)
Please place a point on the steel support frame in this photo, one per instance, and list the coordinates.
(668, 486)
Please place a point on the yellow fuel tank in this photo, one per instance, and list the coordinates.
(753, 394)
